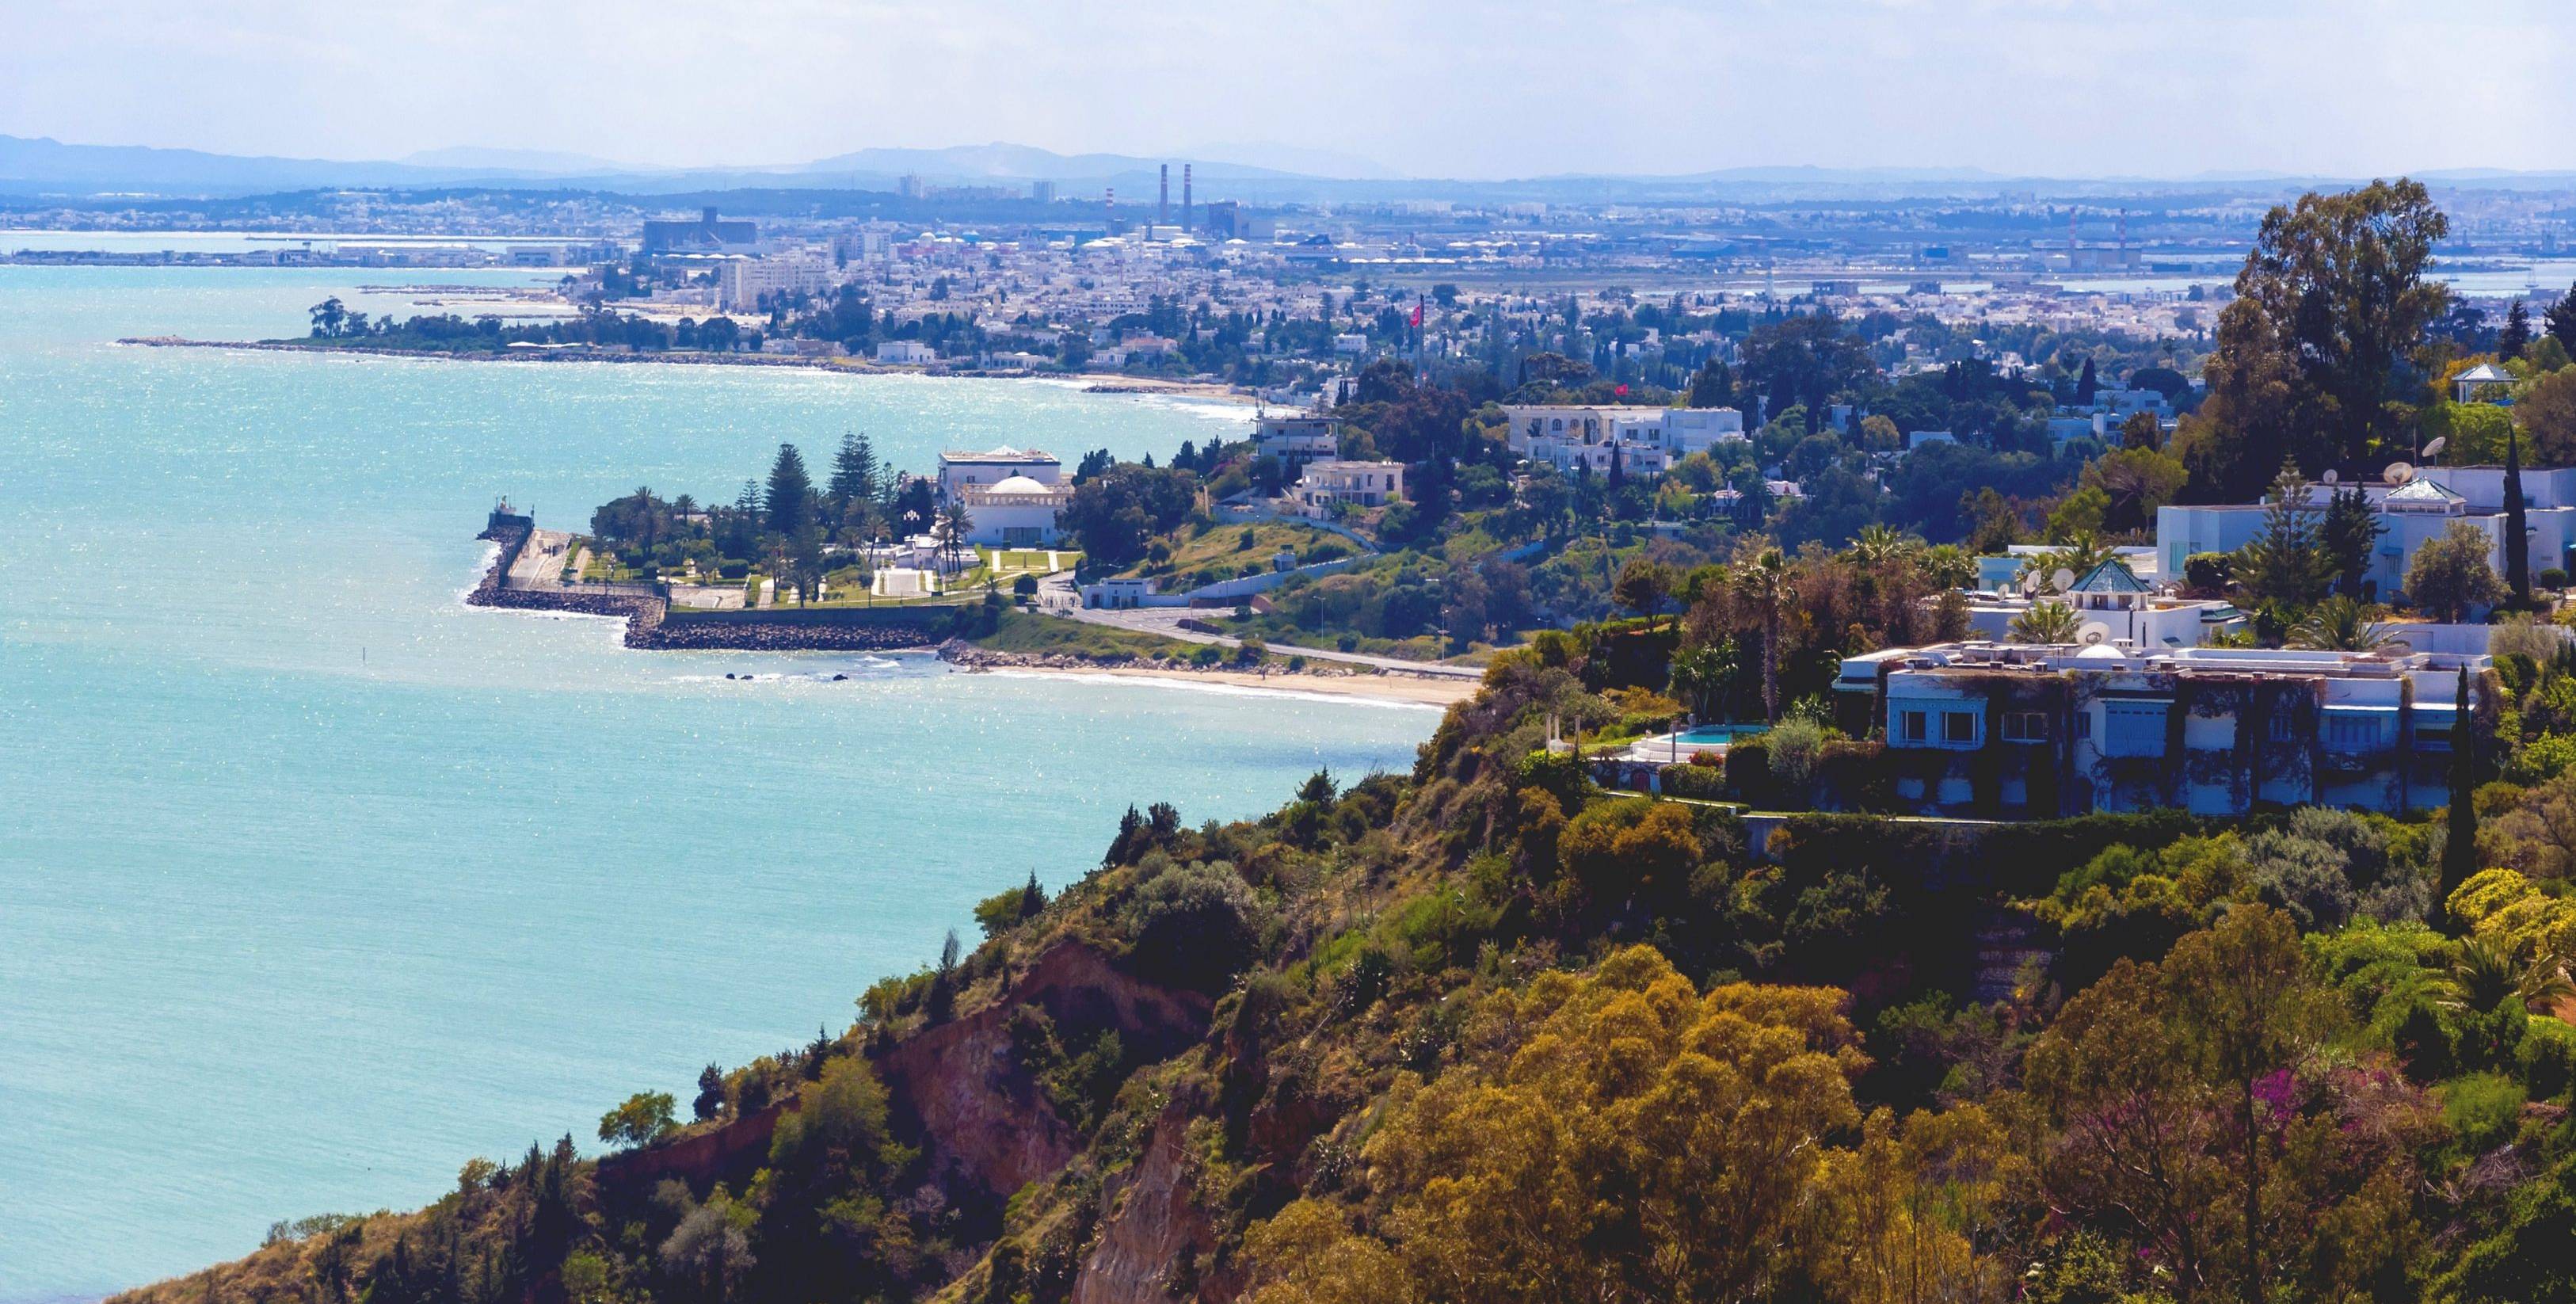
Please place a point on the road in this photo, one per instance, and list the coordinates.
(1166, 621)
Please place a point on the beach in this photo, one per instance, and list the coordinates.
(1417, 690)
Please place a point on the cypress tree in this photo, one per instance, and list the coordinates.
(2460, 836)
(2517, 538)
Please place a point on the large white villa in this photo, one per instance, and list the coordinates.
(2412, 513)
(1011, 495)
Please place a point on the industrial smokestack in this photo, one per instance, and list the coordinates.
(1163, 200)
(1185, 196)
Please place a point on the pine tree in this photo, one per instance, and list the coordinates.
(2516, 335)
(2350, 531)
(854, 475)
(711, 1093)
(2087, 385)
(2285, 563)
(790, 491)
(2460, 836)
(2517, 539)
(2562, 320)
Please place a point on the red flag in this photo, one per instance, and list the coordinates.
(1417, 312)
(1622, 391)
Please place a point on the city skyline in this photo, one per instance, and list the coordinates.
(2065, 89)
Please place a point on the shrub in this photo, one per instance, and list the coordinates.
(1796, 745)
(1194, 925)
(1209, 654)
(2547, 1058)
(2552, 578)
(1704, 782)
(2483, 1110)
(733, 570)
(1748, 771)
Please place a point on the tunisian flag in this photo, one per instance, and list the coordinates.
(1417, 314)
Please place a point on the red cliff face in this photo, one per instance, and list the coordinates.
(984, 1121)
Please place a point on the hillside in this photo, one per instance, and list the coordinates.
(1483, 1032)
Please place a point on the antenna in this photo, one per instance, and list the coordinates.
(2062, 580)
(2093, 634)
(2435, 448)
(2331, 475)
(1185, 197)
(2398, 473)
(1163, 201)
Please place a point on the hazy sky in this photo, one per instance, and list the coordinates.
(1512, 88)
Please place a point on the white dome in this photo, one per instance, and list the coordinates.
(1017, 484)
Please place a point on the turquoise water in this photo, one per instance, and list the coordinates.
(315, 883)
(1713, 734)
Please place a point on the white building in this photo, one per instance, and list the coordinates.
(2008, 730)
(960, 471)
(911, 353)
(1567, 436)
(2410, 513)
(1296, 440)
(1014, 512)
(2116, 608)
(741, 283)
(1332, 481)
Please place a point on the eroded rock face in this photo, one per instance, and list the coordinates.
(982, 1120)
(1155, 1230)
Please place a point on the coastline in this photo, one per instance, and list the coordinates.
(1411, 690)
(648, 629)
(1104, 383)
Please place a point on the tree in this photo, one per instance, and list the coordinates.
(2052, 623)
(2547, 412)
(2561, 321)
(2248, 1007)
(2134, 481)
(2341, 624)
(2515, 338)
(2087, 385)
(788, 502)
(1767, 586)
(711, 1094)
(854, 477)
(951, 530)
(2348, 535)
(1700, 675)
(329, 316)
(1712, 385)
(2285, 563)
(2451, 574)
(644, 1119)
(2460, 825)
(1641, 586)
(1115, 512)
(2329, 303)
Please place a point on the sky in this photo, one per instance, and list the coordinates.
(1427, 88)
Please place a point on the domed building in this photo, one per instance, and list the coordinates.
(1014, 512)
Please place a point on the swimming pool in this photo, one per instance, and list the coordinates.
(1718, 735)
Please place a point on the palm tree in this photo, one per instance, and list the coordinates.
(2481, 977)
(2078, 554)
(2340, 624)
(949, 531)
(2048, 623)
(1765, 582)
(1877, 546)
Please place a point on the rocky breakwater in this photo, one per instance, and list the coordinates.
(643, 614)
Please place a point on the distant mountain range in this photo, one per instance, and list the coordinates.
(1261, 171)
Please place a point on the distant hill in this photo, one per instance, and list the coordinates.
(1001, 161)
(534, 161)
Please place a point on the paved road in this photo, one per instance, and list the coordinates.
(541, 562)
(1166, 621)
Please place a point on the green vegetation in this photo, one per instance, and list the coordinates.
(1482, 1032)
(1019, 631)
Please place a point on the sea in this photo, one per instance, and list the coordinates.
(316, 883)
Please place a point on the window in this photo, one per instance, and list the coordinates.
(1909, 726)
(2025, 727)
(1959, 728)
(2433, 729)
(2281, 728)
(2084, 726)
(2134, 728)
(2347, 732)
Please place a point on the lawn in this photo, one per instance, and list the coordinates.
(1224, 549)
(1022, 631)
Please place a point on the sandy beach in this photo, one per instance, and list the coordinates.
(1416, 690)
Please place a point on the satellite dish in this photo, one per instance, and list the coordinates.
(2063, 580)
(2029, 583)
(2094, 634)
(2436, 446)
(2397, 473)
(2332, 475)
